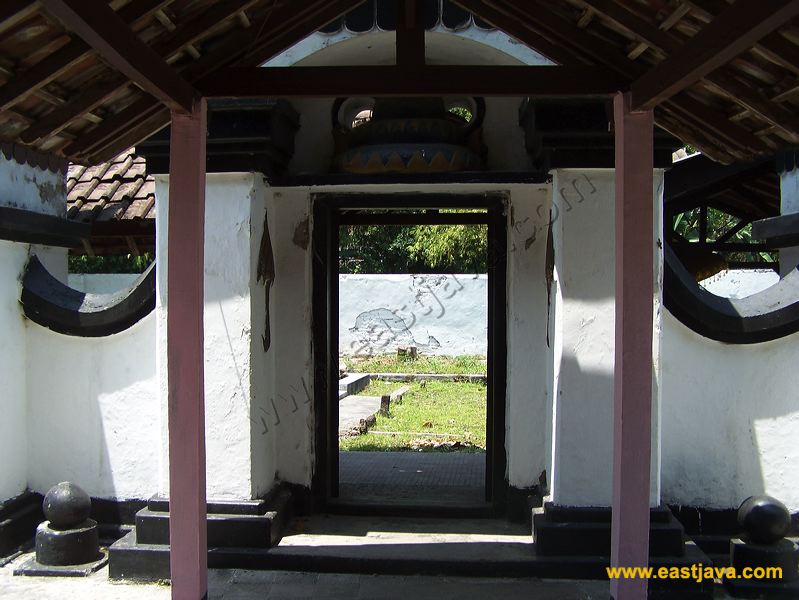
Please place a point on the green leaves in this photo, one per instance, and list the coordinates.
(413, 248)
(128, 263)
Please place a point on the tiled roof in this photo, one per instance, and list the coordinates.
(118, 190)
(58, 96)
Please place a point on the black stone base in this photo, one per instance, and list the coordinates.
(19, 517)
(34, 568)
(76, 545)
(783, 555)
(743, 588)
(585, 531)
(239, 535)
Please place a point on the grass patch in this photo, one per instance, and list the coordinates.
(391, 363)
(434, 416)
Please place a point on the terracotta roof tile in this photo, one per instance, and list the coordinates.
(141, 208)
(117, 190)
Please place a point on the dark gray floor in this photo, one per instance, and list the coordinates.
(412, 478)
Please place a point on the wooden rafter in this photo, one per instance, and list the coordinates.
(522, 31)
(74, 52)
(538, 81)
(281, 26)
(737, 29)
(778, 49)
(718, 132)
(112, 38)
(181, 37)
(725, 83)
(13, 12)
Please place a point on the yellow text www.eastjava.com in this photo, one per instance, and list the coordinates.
(697, 572)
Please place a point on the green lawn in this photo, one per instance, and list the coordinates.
(435, 416)
(391, 363)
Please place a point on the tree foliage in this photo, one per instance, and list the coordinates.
(123, 263)
(413, 249)
(687, 224)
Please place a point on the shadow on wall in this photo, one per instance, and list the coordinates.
(583, 440)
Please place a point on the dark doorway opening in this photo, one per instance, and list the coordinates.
(333, 479)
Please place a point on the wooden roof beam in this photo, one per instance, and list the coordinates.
(726, 84)
(110, 36)
(74, 52)
(287, 23)
(521, 30)
(410, 34)
(182, 36)
(728, 138)
(13, 12)
(778, 49)
(537, 81)
(735, 30)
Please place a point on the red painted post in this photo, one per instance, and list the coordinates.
(632, 402)
(187, 509)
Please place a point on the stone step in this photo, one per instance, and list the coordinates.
(597, 514)
(222, 507)
(132, 560)
(256, 524)
(19, 518)
(559, 538)
(223, 530)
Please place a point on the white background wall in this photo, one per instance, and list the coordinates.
(450, 308)
(101, 283)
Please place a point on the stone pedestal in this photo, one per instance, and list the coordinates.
(766, 521)
(67, 544)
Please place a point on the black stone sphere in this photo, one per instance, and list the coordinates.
(765, 520)
(66, 505)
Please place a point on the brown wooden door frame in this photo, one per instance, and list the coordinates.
(332, 210)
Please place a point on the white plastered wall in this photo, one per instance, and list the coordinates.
(42, 191)
(93, 411)
(238, 462)
(730, 419)
(583, 356)
(13, 350)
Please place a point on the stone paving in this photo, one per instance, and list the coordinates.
(235, 584)
(412, 477)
